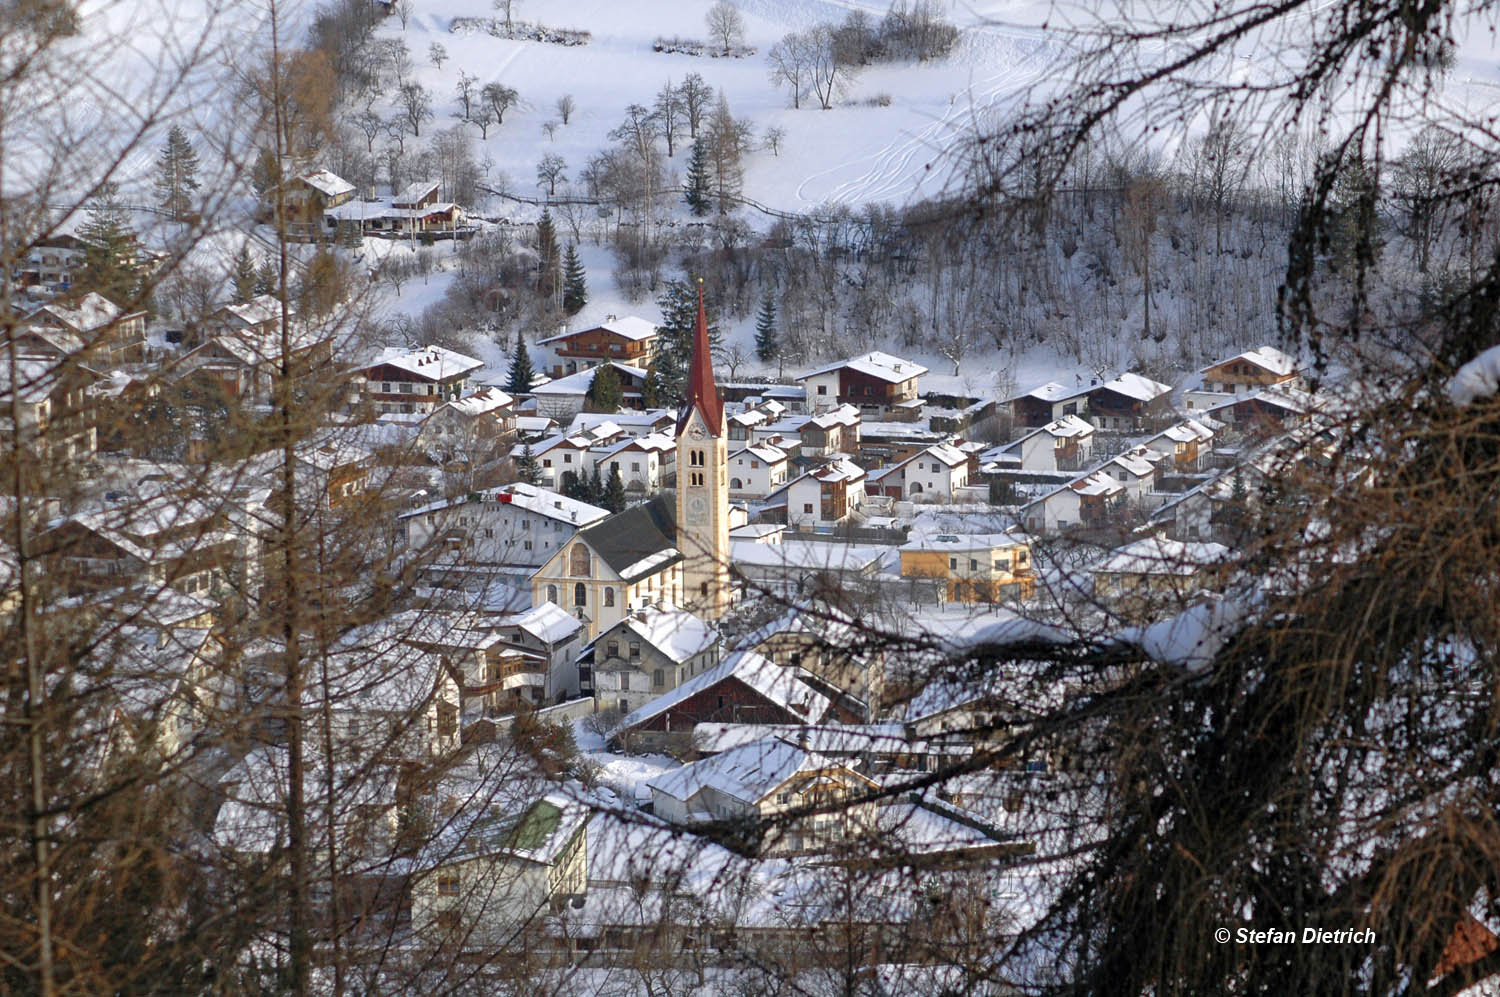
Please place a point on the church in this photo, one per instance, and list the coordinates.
(669, 550)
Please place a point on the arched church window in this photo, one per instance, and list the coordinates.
(551, 593)
(695, 458)
(580, 595)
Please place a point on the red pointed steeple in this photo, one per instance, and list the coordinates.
(702, 390)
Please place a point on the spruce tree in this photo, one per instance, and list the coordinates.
(265, 278)
(674, 345)
(244, 277)
(766, 345)
(596, 487)
(605, 393)
(614, 492)
(109, 249)
(521, 374)
(176, 175)
(526, 467)
(548, 256)
(575, 288)
(696, 191)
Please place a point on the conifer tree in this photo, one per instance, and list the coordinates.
(526, 467)
(614, 492)
(521, 374)
(696, 192)
(766, 345)
(110, 248)
(595, 487)
(548, 256)
(176, 175)
(575, 288)
(244, 277)
(265, 278)
(674, 348)
(605, 393)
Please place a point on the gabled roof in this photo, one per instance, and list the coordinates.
(674, 632)
(92, 311)
(949, 455)
(1186, 432)
(638, 542)
(547, 622)
(748, 773)
(1160, 556)
(772, 682)
(260, 309)
(414, 192)
(630, 327)
(1135, 461)
(1135, 386)
(329, 184)
(1052, 391)
(432, 362)
(581, 382)
(762, 451)
(1096, 483)
(1268, 358)
(882, 366)
(480, 402)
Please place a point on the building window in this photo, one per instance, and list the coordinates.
(822, 389)
(580, 595)
(635, 465)
(973, 564)
(696, 479)
(952, 564)
(448, 884)
(551, 593)
(807, 507)
(635, 652)
(658, 679)
(695, 458)
(525, 524)
(612, 649)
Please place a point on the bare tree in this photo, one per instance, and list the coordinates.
(565, 107)
(828, 74)
(696, 96)
(668, 114)
(726, 25)
(437, 54)
(550, 171)
(790, 62)
(772, 139)
(500, 99)
(416, 106)
(467, 95)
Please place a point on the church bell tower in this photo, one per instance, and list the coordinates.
(703, 485)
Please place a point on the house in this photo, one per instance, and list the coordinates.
(1137, 470)
(470, 429)
(823, 435)
(650, 652)
(242, 357)
(1262, 367)
(934, 475)
(824, 497)
(566, 396)
(1187, 445)
(501, 868)
(106, 334)
(743, 688)
(621, 563)
(420, 380)
(986, 567)
(825, 646)
(307, 197)
(1088, 502)
(255, 320)
(807, 568)
(1048, 403)
(416, 210)
(1128, 402)
(757, 470)
(560, 454)
(644, 462)
(1062, 445)
(1264, 410)
(1157, 571)
(875, 381)
(761, 780)
(50, 265)
(516, 524)
(628, 340)
(57, 409)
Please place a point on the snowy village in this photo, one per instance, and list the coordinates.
(749, 497)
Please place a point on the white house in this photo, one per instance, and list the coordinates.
(757, 470)
(517, 524)
(1065, 444)
(1087, 502)
(645, 462)
(933, 475)
(826, 496)
(648, 653)
(1262, 367)
(875, 380)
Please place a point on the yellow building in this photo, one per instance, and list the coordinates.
(985, 567)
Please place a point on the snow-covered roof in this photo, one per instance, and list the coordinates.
(530, 498)
(329, 184)
(1052, 391)
(1137, 462)
(1158, 555)
(1281, 396)
(1268, 358)
(260, 309)
(630, 327)
(674, 632)
(1186, 432)
(748, 773)
(957, 542)
(89, 312)
(535, 423)
(875, 364)
(948, 454)
(579, 383)
(547, 622)
(480, 402)
(773, 682)
(413, 192)
(1136, 386)
(762, 451)
(1096, 483)
(432, 362)
(840, 468)
(807, 555)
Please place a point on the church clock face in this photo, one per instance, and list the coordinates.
(696, 432)
(697, 510)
